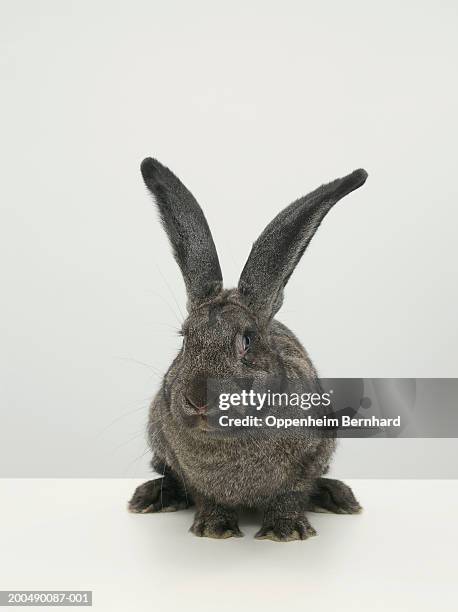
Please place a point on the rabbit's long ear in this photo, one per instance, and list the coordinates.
(279, 248)
(188, 232)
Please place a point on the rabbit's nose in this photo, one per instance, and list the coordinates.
(196, 395)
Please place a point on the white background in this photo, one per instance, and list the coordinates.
(252, 104)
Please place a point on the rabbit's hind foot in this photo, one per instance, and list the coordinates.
(159, 495)
(335, 496)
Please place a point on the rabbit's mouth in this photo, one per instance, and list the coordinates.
(199, 423)
(202, 423)
(202, 418)
(196, 417)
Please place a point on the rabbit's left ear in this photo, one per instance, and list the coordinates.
(188, 232)
(279, 248)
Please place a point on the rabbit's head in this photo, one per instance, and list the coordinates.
(227, 334)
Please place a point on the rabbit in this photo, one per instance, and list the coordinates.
(227, 333)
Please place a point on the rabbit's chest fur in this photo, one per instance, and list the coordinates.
(237, 474)
(244, 472)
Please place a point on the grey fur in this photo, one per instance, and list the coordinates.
(220, 474)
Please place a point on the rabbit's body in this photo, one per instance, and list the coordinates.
(232, 335)
(245, 471)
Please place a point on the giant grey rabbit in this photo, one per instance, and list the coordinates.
(227, 334)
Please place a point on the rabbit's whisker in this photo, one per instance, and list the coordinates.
(167, 303)
(184, 485)
(154, 370)
(162, 483)
(119, 418)
(131, 463)
(135, 437)
(171, 293)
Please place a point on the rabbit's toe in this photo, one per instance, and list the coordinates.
(218, 527)
(157, 496)
(286, 530)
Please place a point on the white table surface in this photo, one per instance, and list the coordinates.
(399, 554)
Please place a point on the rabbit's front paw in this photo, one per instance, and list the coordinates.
(215, 525)
(286, 529)
(159, 495)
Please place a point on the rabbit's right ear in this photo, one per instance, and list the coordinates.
(279, 248)
(188, 232)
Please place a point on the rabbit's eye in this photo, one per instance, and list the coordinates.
(246, 341)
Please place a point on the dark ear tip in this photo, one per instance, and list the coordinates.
(149, 168)
(349, 183)
(359, 176)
